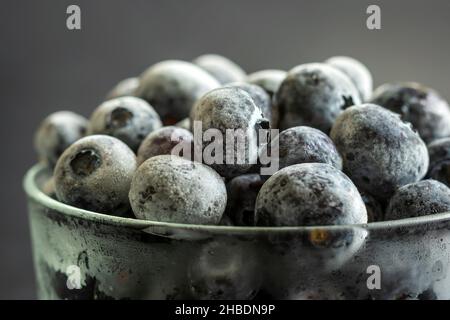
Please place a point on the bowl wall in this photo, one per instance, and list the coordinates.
(84, 255)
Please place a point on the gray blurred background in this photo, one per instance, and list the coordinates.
(44, 67)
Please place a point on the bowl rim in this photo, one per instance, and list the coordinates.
(33, 192)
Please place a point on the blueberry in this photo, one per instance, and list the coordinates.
(226, 221)
(224, 271)
(221, 68)
(380, 152)
(304, 145)
(259, 96)
(172, 87)
(419, 199)
(162, 141)
(427, 111)
(309, 194)
(242, 192)
(314, 95)
(173, 189)
(357, 72)
(185, 124)
(375, 212)
(129, 119)
(439, 168)
(228, 109)
(57, 132)
(269, 80)
(49, 187)
(126, 87)
(95, 174)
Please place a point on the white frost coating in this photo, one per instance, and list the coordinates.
(269, 79)
(172, 87)
(307, 194)
(99, 116)
(143, 120)
(126, 87)
(231, 108)
(56, 133)
(172, 189)
(324, 91)
(107, 186)
(64, 117)
(357, 72)
(380, 152)
(252, 135)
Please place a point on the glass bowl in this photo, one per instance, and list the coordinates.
(80, 254)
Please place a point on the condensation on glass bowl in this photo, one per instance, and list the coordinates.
(84, 255)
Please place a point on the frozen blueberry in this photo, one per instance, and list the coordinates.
(162, 141)
(129, 119)
(185, 124)
(419, 199)
(373, 207)
(224, 271)
(427, 111)
(57, 132)
(439, 168)
(314, 95)
(172, 87)
(242, 192)
(304, 144)
(173, 189)
(226, 221)
(221, 68)
(232, 111)
(357, 72)
(269, 80)
(380, 152)
(309, 194)
(95, 174)
(259, 96)
(126, 87)
(49, 188)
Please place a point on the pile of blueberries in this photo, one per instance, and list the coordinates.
(347, 154)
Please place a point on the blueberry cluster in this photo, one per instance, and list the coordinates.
(346, 154)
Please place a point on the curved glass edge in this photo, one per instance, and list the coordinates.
(33, 192)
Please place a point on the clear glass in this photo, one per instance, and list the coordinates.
(84, 255)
